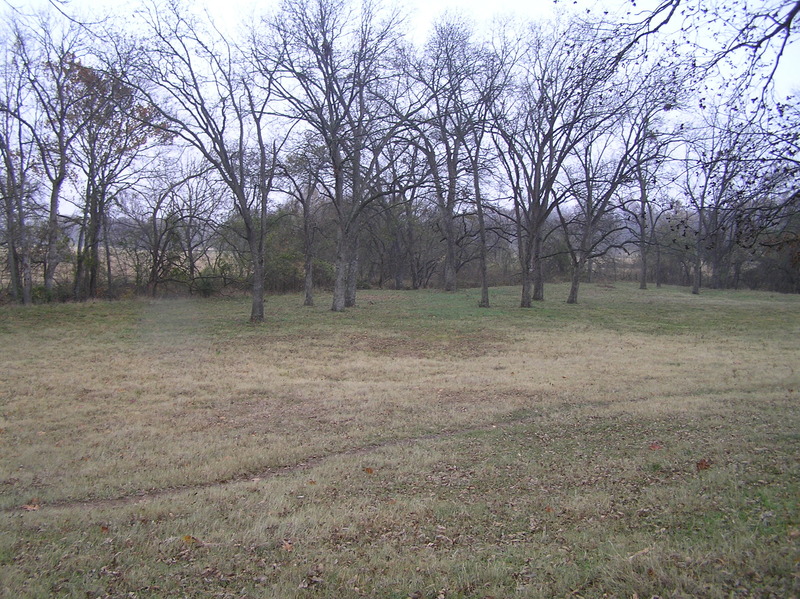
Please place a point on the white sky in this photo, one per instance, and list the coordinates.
(422, 13)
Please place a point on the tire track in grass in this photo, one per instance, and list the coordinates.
(265, 474)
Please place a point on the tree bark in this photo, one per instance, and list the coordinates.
(308, 284)
(352, 278)
(576, 281)
(257, 308)
(537, 268)
(476, 183)
(340, 280)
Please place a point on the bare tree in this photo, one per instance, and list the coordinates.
(303, 170)
(602, 163)
(50, 52)
(17, 180)
(561, 94)
(208, 98)
(331, 62)
(443, 75)
(724, 159)
(760, 31)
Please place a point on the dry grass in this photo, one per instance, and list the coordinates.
(415, 444)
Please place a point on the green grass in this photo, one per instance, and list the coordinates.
(415, 445)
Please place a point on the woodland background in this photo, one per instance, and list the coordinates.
(319, 148)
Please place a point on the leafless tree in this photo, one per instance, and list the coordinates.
(17, 180)
(208, 98)
(753, 34)
(303, 173)
(50, 51)
(724, 162)
(601, 165)
(332, 62)
(561, 94)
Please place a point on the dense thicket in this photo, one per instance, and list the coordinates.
(323, 149)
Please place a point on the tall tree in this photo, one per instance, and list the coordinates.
(724, 159)
(443, 74)
(561, 93)
(332, 61)
(49, 51)
(209, 97)
(119, 128)
(17, 179)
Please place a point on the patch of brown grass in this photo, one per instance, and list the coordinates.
(366, 455)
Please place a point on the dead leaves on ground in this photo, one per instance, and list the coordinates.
(703, 464)
(312, 578)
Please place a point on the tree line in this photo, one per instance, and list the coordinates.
(320, 147)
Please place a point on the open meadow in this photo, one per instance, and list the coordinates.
(639, 444)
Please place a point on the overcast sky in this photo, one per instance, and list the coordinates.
(422, 13)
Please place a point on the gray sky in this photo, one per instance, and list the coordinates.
(229, 13)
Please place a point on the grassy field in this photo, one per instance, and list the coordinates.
(639, 444)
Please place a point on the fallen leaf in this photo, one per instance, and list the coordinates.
(313, 577)
(192, 541)
(287, 545)
(703, 464)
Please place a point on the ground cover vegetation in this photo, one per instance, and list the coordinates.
(158, 153)
(643, 443)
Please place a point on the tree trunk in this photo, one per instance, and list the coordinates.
(12, 254)
(484, 303)
(527, 278)
(308, 285)
(80, 259)
(24, 256)
(658, 265)
(537, 267)
(576, 281)
(450, 255)
(340, 280)
(643, 271)
(107, 247)
(257, 309)
(696, 279)
(51, 259)
(352, 277)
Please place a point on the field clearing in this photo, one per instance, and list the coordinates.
(639, 444)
